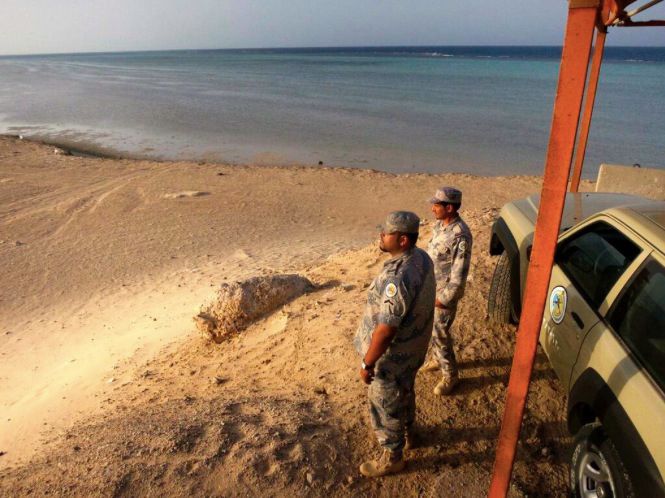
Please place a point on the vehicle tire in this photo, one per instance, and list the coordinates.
(499, 301)
(595, 466)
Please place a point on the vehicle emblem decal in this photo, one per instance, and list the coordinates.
(558, 301)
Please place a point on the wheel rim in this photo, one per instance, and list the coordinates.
(594, 476)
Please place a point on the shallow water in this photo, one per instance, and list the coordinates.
(480, 110)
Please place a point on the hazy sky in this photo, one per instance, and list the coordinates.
(51, 26)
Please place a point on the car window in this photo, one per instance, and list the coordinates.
(638, 316)
(595, 258)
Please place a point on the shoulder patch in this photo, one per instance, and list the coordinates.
(462, 246)
(391, 289)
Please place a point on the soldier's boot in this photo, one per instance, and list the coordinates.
(446, 385)
(390, 462)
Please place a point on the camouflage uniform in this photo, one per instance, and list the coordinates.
(450, 249)
(402, 296)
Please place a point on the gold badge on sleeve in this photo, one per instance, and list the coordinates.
(391, 290)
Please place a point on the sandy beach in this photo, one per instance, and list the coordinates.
(108, 389)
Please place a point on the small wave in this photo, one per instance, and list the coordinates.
(438, 54)
(634, 60)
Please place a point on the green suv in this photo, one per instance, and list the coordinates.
(603, 331)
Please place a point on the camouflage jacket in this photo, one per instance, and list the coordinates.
(450, 249)
(402, 296)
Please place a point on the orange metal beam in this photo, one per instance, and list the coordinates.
(567, 106)
(615, 10)
(592, 86)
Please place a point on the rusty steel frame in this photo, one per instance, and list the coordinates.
(589, 101)
(644, 7)
(640, 24)
(619, 17)
(582, 17)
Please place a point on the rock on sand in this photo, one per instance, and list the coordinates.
(240, 303)
(186, 193)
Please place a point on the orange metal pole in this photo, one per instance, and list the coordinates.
(592, 86)
(567, 106)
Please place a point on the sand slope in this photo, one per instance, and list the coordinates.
(106, 261)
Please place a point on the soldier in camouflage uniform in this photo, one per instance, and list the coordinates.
(393, 337)
(450, 249)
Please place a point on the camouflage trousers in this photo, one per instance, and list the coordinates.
(442, 341)
(392, 408)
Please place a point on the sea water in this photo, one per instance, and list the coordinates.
(478, 110)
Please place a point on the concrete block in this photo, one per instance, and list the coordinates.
(647, 182)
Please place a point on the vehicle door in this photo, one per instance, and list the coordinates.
(627, 351)
(638, 320)
(588, 262)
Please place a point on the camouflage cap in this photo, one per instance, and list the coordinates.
(401, 221)
(447, 194)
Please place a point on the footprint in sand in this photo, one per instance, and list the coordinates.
(241, 254)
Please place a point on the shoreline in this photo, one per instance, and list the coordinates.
(79, 149)
(85, 149)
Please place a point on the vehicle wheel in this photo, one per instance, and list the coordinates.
(499, 302)
(596, 470)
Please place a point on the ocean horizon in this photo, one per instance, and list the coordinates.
(482, 110)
